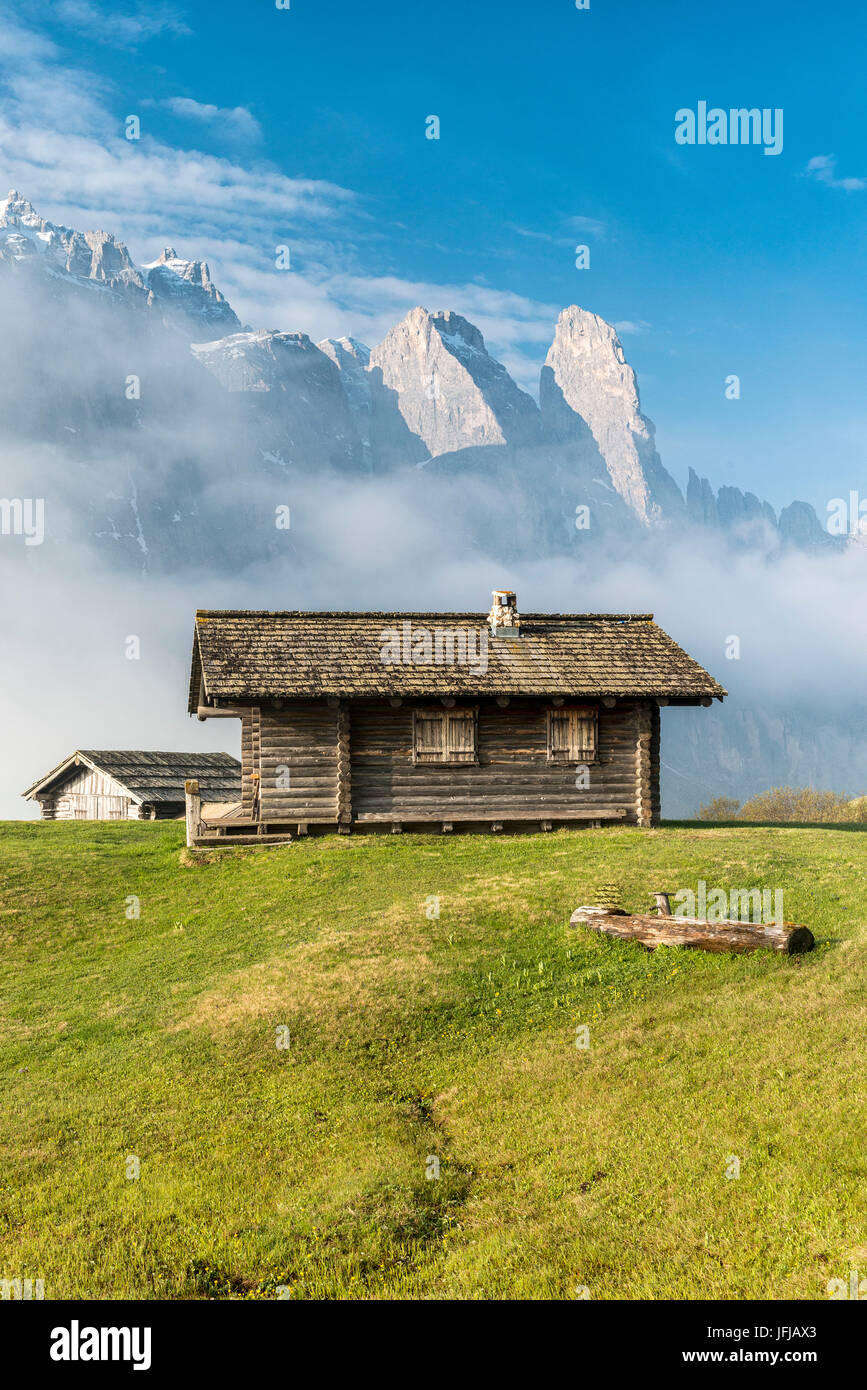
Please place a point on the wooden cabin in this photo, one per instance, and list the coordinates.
(441, 720)
(93, 784)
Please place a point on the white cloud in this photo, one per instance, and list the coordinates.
(582, 226)
(539, 236)
(147, 183)
(234, 120)
(823, 167)
(18, 44)
(120, 28)
(62, 146)
(632, 326)
(587, 224)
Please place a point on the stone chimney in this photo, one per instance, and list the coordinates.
(504, 618)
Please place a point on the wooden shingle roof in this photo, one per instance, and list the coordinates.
(151, 776)
(247, 656)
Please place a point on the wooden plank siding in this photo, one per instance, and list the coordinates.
(355, 764)
(299, 742)
(131, 784)
(94, 796)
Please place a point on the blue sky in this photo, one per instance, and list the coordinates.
(306, 127)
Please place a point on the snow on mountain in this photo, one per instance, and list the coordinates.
(185, 288)
(301, 410)
(352, 360)
(28, 239)
(429, 391)
(284, 364)
(181, 292)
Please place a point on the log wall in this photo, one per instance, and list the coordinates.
(655, 746)
(512, 779)
(355, 764)
(300, 744)
(250, 752)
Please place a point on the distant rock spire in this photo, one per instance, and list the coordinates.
(586, 372)
(450, 391)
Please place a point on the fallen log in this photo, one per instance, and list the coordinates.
(788, 937)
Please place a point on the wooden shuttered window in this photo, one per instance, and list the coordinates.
(444, 736)
(572, 734)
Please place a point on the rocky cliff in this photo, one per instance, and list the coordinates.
(450, 391)
(586, 376)
(580, 465)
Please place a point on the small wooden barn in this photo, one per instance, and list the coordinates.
(95, 784)
(393, 720)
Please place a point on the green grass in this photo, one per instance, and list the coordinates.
(304, 1169)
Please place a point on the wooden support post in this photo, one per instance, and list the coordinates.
(193, 810)
(302, 827)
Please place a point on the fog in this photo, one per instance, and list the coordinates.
(161, 504)
(796, 687)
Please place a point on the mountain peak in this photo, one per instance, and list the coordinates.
(340, 350)
(182, 290)
(586, 373)
(457, 332)
(14, 208)
(451, 393)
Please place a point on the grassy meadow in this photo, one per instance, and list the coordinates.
(301, 1171)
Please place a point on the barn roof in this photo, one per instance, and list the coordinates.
(247, 655)
(152, 776)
